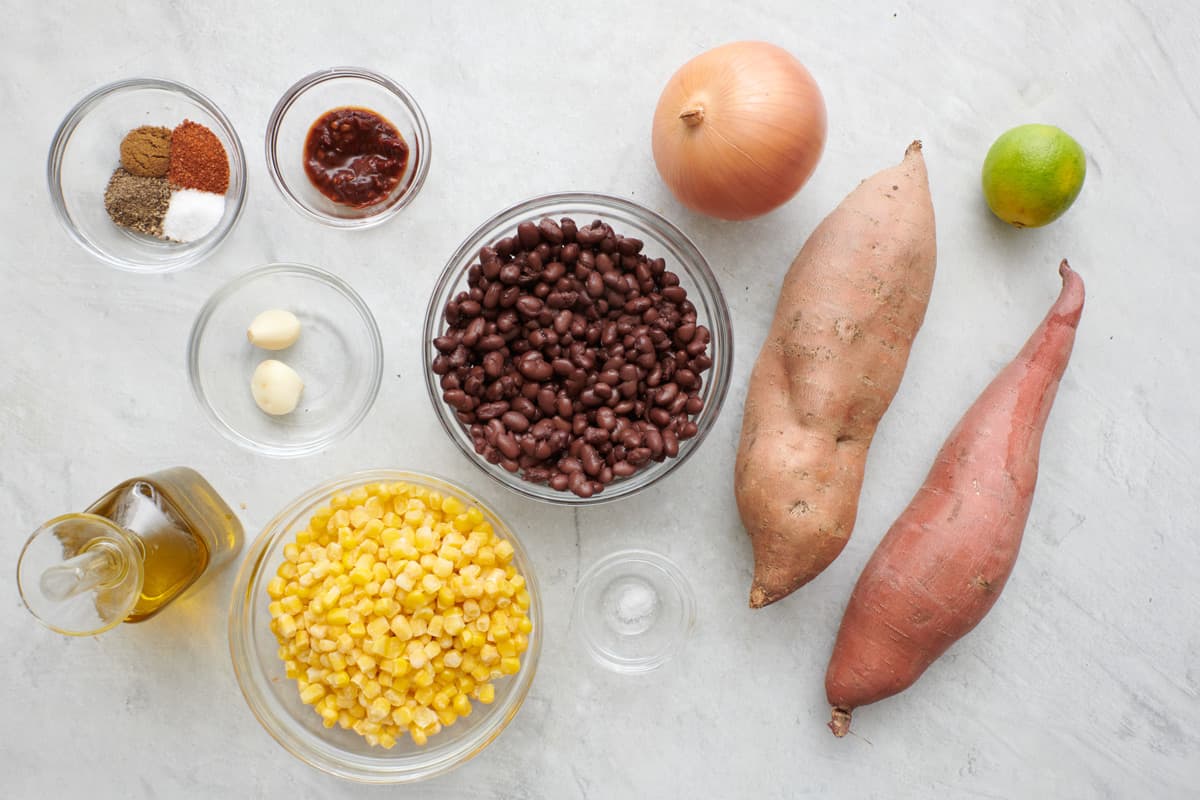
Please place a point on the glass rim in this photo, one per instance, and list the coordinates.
(250, 573)
(58, 147)
(313, 79)
(374, 359)
(720, 327)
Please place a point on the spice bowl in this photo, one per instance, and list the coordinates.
(302, 105)
(85, 151)
(274, 698)
(660, 239)
(339, 357)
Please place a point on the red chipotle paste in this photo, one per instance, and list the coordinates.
(354, 156)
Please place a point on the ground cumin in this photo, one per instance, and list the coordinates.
(145, 151)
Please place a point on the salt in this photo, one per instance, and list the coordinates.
(637, 601)
(192, 214)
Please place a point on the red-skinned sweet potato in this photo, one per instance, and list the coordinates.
(942, 565)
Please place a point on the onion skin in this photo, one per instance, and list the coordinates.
(738, 130)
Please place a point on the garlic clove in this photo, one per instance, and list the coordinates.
(276, 329)
(276, 387)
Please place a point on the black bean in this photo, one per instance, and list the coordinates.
(515, 421)
(528, 236)
(550, 231)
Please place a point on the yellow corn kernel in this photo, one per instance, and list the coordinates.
(425, 542)
(471, 611)
(415, 600)
(365, 663)
(510, 666)
(377, 647)
(423, 696)
(292, 604)
(435, 626)
(486, 693)
(483, 623)
(402, 628)
(453, 623)
(418, 736)
(488, 654)
(503, 551)
(453, 659)
(447, 716)
(378, 626)
(461, 705)
(312, 693)
(506, 648)
(385, 607)
(393, 648)
(402, 716)
(338, 679)
(370, 689)
(357, 630)
(525, 625)
(276, 587)
(338, 616)
(441, 700)
(285, 626)
(336, 661)
(432, 649)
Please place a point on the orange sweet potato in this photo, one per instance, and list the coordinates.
(944, 562)
(847, 314)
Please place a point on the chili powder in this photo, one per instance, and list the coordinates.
(198, 159)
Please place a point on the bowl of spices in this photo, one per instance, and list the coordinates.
(147, 175)
(348, 147)
(577, 347)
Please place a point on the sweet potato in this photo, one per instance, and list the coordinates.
(944, 562)
(850, 306)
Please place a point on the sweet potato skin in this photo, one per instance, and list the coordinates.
(942, 565)
(848, 311)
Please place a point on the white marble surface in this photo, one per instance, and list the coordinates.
(1083, 682)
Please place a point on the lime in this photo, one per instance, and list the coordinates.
(1032, 174)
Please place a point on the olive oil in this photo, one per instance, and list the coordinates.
(130, 554)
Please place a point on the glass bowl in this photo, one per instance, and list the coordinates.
(662, 240)
(339, 356)
(322, 91)
(86, 150)
(634, 610)
(274, 698)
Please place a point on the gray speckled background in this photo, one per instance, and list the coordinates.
(1083, 682)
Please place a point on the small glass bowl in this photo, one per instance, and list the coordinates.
(633, 611)
(86, 150)
(275, 700)
(338, 87)
(662, 240)
(339, 356)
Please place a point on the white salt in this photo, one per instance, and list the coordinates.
(192, 214)
(637, 601)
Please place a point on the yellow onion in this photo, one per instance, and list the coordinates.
(738, 130)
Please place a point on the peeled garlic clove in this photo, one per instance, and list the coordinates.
(274, 330)
(276, 387)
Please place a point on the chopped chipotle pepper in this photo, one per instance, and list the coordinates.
(354, 156)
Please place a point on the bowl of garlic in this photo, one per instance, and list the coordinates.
(285, 359)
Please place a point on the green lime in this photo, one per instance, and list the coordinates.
(1032, 174)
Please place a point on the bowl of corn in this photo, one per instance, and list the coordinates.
(385, 626)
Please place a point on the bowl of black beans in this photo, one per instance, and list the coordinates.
(577, 347)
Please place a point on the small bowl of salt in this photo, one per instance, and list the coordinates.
(634, 610)
(147, 175)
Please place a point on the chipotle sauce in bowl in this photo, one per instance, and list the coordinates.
(354, 157)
